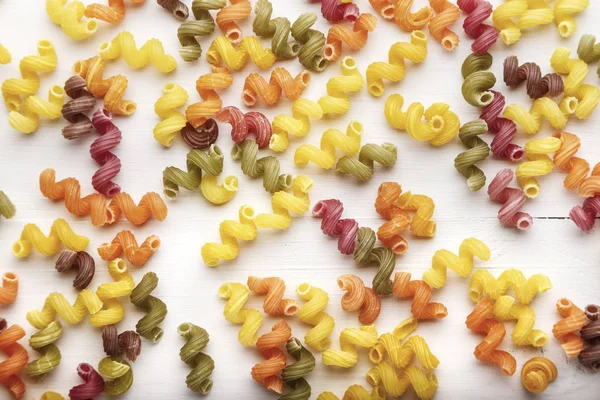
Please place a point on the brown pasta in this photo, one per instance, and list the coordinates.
(80, 260)
(537, 86)
(590, 356)
(126, 343)
(592, 311)
(175, 7)
(201, 137)
(76, 109)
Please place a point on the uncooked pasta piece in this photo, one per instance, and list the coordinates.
(420, 292)
(112, 310)
(396, 383)
(93, 384)
(311, 312)
(267, 372)
(9, 289)
(505, 309)
(537, 374)
(402, 353)
(512, 201)
(125, 243)
(577, 168)
(237, 295)
(537, 85)
(156, 310)
(354, 37)
(229, 14)
(15, 360)
(222, 52)
(590, 355)
(312, 41)
(279, 29)
(100, 150)
(478, 11)
(531, 120)
(123, 45)
(56, 304)
(198, 380)
(539, 164)
(80, 260)
(505, 18)
(399, 12)
(477, 79)
(43, 342)
(477, 151)
(350, 339)
(7, 208)
(51, 396)
(293, 374)
(273, 290)
(584, 216)
(60, 233)
(564, 10)
(390, 343)
(75, 111)
(566, 329)
(338, 10)
(280, 82)
(203, 25)
(358, 297)
(363, 167)
(592, 311)
(587, 50)
(117, 374)
(201, 137)
(27, 119)
(126, 343)
(483, 282)
(446, 15)
(69, 17)
(172, 121)
(198, 114)
(175, 7)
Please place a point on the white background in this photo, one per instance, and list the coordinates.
(553, 246)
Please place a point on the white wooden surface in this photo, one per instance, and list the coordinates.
(302, 253)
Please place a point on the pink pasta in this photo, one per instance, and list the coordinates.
(332, 225)
(584, 216)
(512, 200)
(100, 150)
(485, 35)
(334, 10)
(504, 129)
(244, 124)
(93, 384)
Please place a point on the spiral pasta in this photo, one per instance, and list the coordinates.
(312, 43)
(222, 52)
(281, 82)
(267, 372)
(93, 383)
(175, 7)
(100, 150)
(282, 203)
(125, 243)
(390, 343)
(350, 339)
(75, 110)
(477, 151)
(512, 201)
(355, 392)
(480, 321)
(355, 38)
(399, 11)
(279, 29)
(566, 329)
(127, 343)
(123, 45)
(446, 15)
(505, 309)
(110, 89)
(590, 356)
(311, 312)
(236, 295)
(5, 57)
(7, 208)
(339, 10)
(587, 50)
(113, 311)
(477, 79)
(358, 297)
(504, 17)
(69, 18)
(539, 164)
(402, 354)
(203, 169)
(537, 374)
(325, 156)
(113, 13)
(57, 304)
(273, 289)
(294, 373)
(584, 216)
(537, 86)
(82, 261)
(395, 69)
(117, 374)
(60, 233)
(16, 359)
(564, 10)
(420, 292)
(363, 167)
(27, 119)
(191, 353)
(43, 342)
(396, 383)
(483, 282)
(156, 310)
(484, 35)
(462, 264)
(531, 121)
(95, 205)
(203, 25)
(172, 121)
(198, 114)
(9, 289)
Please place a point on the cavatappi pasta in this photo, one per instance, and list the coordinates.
(113, 13)
(336, 10)
(350, 339)
(199, 114)
(311, 53)
(396, 383)
(223, 53)
(539, 164)
(564, 11)
(402, 352)
(9, 288)
(69, 16)
(56, 304)
(484, 35)
(588, 50)
(420, 293)
(537, 374)
(505, 309)
(446, 15)
(198, 380)
(279, 29)
(537, 85)
(156, 310)
(483, 283)
(76, 110)
(117, 374)
(43, 342)
(400, 13)
(237, 295)
(354, 37)
(478, 150)
(311, 312)
(294, 373)
(358, 297)
(123, 45)
(363, 166)
(60, 233)
(203, 25)
(175, 7)
(273, 289)
(7, 208)
(93, 383)
(112, 311)
(389, 343)
(27, 120)
(124, 243)
(80, 260)
(172, 121)
(512, 200)
(5, 57)
(566, 329)
(267, 372)
(281, 82)
(16, 358)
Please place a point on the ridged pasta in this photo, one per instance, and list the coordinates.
(483, 282)
(69, 18)
(80, 260)
(93, 384)
(267, 372)
(480, 321)
(590, 356)
(110, 89)
(478, 150)
(175, 7)
(363, 166)
(279, 29)
(282, 203)
(389, 343)
(43, 342)
(201, 137)
(124, 243)
(7, 208)
(446, 15)
(156, 310)
(226, 19)
(9, 289)
(51, 396)
(592, 312)
(436, 125)
(237, 295)
(584, 216)
(564, 10)
(539, 164)
(113, 13)
(537, 85)
(354, 37)
(396, 383)
(293, 374)
(566, 329)
(420, 292)
(339, 10)
(399, 11)
(15, 361)
(461, 264)
(126, 343)
(27, 119)
(395, 69)
(311, 312)
(477, 79)
(537, 374)
(358, 297)
(505, 18)
(5, 57)
(113, 311)
(281, 82)
(95, 205)
(75, 110)
(172, 121)
(273, 289)
(402, 354)
(100, 150)
(325, 156)
(203, 25)
(117, 374)
(512, 200)
(356, 392)
(203, 170)
(350, 339)
(484, 35)
(587, 50)
(312, 43)
(538, 13)
(198, 380)
(531, 121)
(57, 304)
(123, 45)
(199, 113)
(504, 129)
(222, 52)
(60, 233)
(505, 309)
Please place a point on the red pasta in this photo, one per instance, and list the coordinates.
(584, 216)
(537, 86)
(485, 35)
(512, 200)
(504, 129)
(243, 125)
(110, 165)
(268, 372)
(335, 10)
(420, 293)
(93, 384)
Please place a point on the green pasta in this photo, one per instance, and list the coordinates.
(478, 151)
(191, 353)
(117, 374)
(362, 168)
(278, 28)
(477, 80)
(588, 50)
(294, 373)
(204, 25)
(43, 342)
(266, 167)
(366, 253)
(7, 208)
(156, 310)
(312, 41)
(210, 161)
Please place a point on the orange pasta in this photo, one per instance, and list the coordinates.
(420, 292)
(479, 321)
(125, 242)
(566, 329)
(281, 81)
(113, 13)
(206, 85)
(226, 17)
(273, 288)
(399, 11)
(577, 168)
(359, 298)
(111, 89)
(96, 205)
(447, 14)
(16, 358)
(355, 37)
(267, 372)
(9, 289)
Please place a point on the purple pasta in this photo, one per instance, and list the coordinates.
(512, 200)
(201, 137)
(110, 165)
(93, 386)
(80, 260)
(126, 343)
(76, 109)
(585, 216)
(537, 86)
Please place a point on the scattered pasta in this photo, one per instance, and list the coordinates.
(60, 233)
(537, 85)
(267, 372)
(237, 295)
(43, 342)
(281, 82)
(223, 53)
(537, 374)
(80, 260)
(273, 290)
(512, 201)
(311, 312)
(175, 7)
(477, 151)
(156, 310)
(564, 10)
(9, 289)
(126, 343)
(203, 25)
(484, 36)
(69, 17)
(75, 110)
(112, 311)
(172, 121)
(483, 282)
(198, 380)
(566, 329)
(7, 208)
(420, 292)
(358, 297)
(350, 339)
(125, 243)
(93, 384)
(117, 374)
(293, 374)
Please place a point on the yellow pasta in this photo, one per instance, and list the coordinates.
(283, 203)
(332, 139)
(503, 17)
(56, 304)
(398, 383)
(237, 295)
(68, 17)
(531, 121)
(462, 264)
(539, 164)
(222, 52)
(355, 392)
(123, 45)
(395, 69)
(113, 311)
(538, 13)
(391, 347)
(61, 232)
(172, 120)
(563, 15)
(337, 101)
(311, 313)
(436, 125)
(350, 339)
(5, 57)
(523, 334)
(28, 119)
(402, 354)
(483, 282)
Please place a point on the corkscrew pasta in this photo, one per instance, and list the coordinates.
(446, 15)
(125, 243)
(537, 85)
(512, 201)
(293, 374)
(100, 150)
(282, 203)
(477, 151)
(312, 43)
(477, 79)
(126, 343)
(113, 13)
(311, 312)
(358, 297)
(43, 342)
(57, 304)
(16, 359)
(537, 374)
(354, 37)
(117, 374)
(172, 121)
(237, 295)
(390, 343)
(69, 17)
(281, 82)
(566, 329)
(113, 311)
(483, 282)
(273, 289)
(7, 208)
(198, 114)
(484, 36)
(27, 119)
(226, 19)
(396, 383)
(279, 29)
(505, 309)
(539, 164)
(9, 289)
(587, 50)
(203, 25)
(584, 216)
(577, 168)
(350, 339)
(123, 45)
(75, 110)
(325, 156)
(175, 7)
(339, 10)
(93, 383)
(5, 57)
(401, 354)
(267, 372)
(60, 233)
(363, 167)
(504, 17)
(564, 10)
(399, 11)
(531, 121)
(590, 356)
(198, 380)
(82, 261)
(222, 52)
(156, 310)
(420, 293)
